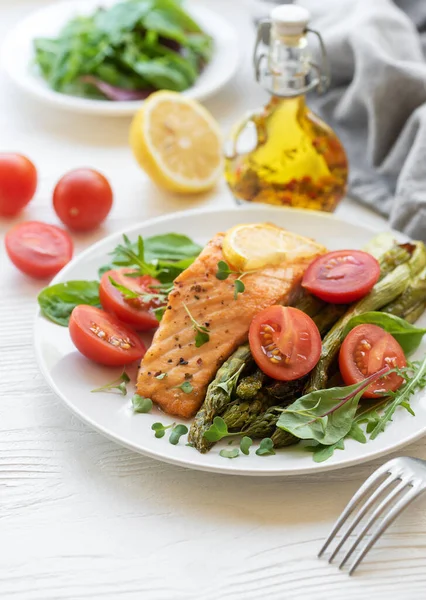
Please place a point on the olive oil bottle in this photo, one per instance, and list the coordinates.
(284, 154)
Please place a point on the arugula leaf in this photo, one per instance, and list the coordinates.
(58, 301)
(408, 336)
(118, 384)
(415, 381)
(163, 256)
(125, 291)
(141, 404)
(325, 415)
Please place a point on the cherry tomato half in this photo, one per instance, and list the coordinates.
(38, 249)
(82, 199)
(101, 337)
(137, 312)
(342, 277)
(285, 342)
(365, 350)
(18, 183)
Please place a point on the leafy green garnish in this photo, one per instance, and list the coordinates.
(202, 334)
(266, 447)
(245, 445)
(119, 385)
(217, 430)
(229, 453)
(224, 271)
(325, 415)
(186, 387)
(160, 429)
(177, 432)
(374, 416)
(141, 404)
(230, 384)
(125, 291)
(239, 288)
(161, 376)
(415, 379)
(58, 301)
(407, 335)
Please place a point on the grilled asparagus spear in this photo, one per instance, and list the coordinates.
(388, 289)
(218, 396)
(241, 413)
(250, 385)
(410, 305)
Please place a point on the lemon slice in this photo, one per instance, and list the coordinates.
(177, 142)
(254, 246)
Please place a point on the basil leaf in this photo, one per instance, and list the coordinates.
(58, 301)
(325, 415)
(408, 336)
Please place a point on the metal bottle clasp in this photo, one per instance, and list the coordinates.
(320, 81)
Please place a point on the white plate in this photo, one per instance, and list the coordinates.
(72, 377)
(17, 55)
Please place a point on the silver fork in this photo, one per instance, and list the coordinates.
(402, 480)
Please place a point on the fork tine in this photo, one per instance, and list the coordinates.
(363, 511)
(354, 501)
(387, 521)
(377, 512)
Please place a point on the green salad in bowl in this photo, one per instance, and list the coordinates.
(125, 51)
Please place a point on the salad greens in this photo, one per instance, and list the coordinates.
(162, 256)
(117, 385)
(125, 52)
(408, 336)
(58, 301)
(325, 416)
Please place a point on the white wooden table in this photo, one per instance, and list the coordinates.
(82, 518)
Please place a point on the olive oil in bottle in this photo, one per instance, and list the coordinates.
(284, 154)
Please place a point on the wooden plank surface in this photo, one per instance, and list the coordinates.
(82, 518)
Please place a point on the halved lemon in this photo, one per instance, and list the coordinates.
(177, 142)
(257, 245)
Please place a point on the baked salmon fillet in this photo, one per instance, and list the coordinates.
(173, 361)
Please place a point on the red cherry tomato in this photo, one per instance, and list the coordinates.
(38, 249)
(285, 342)
(342, 277)
(137, 312)
(82, 199)
(101, 337)
(365, 350)
(18, 183)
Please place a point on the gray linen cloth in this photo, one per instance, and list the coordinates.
(377, 101)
